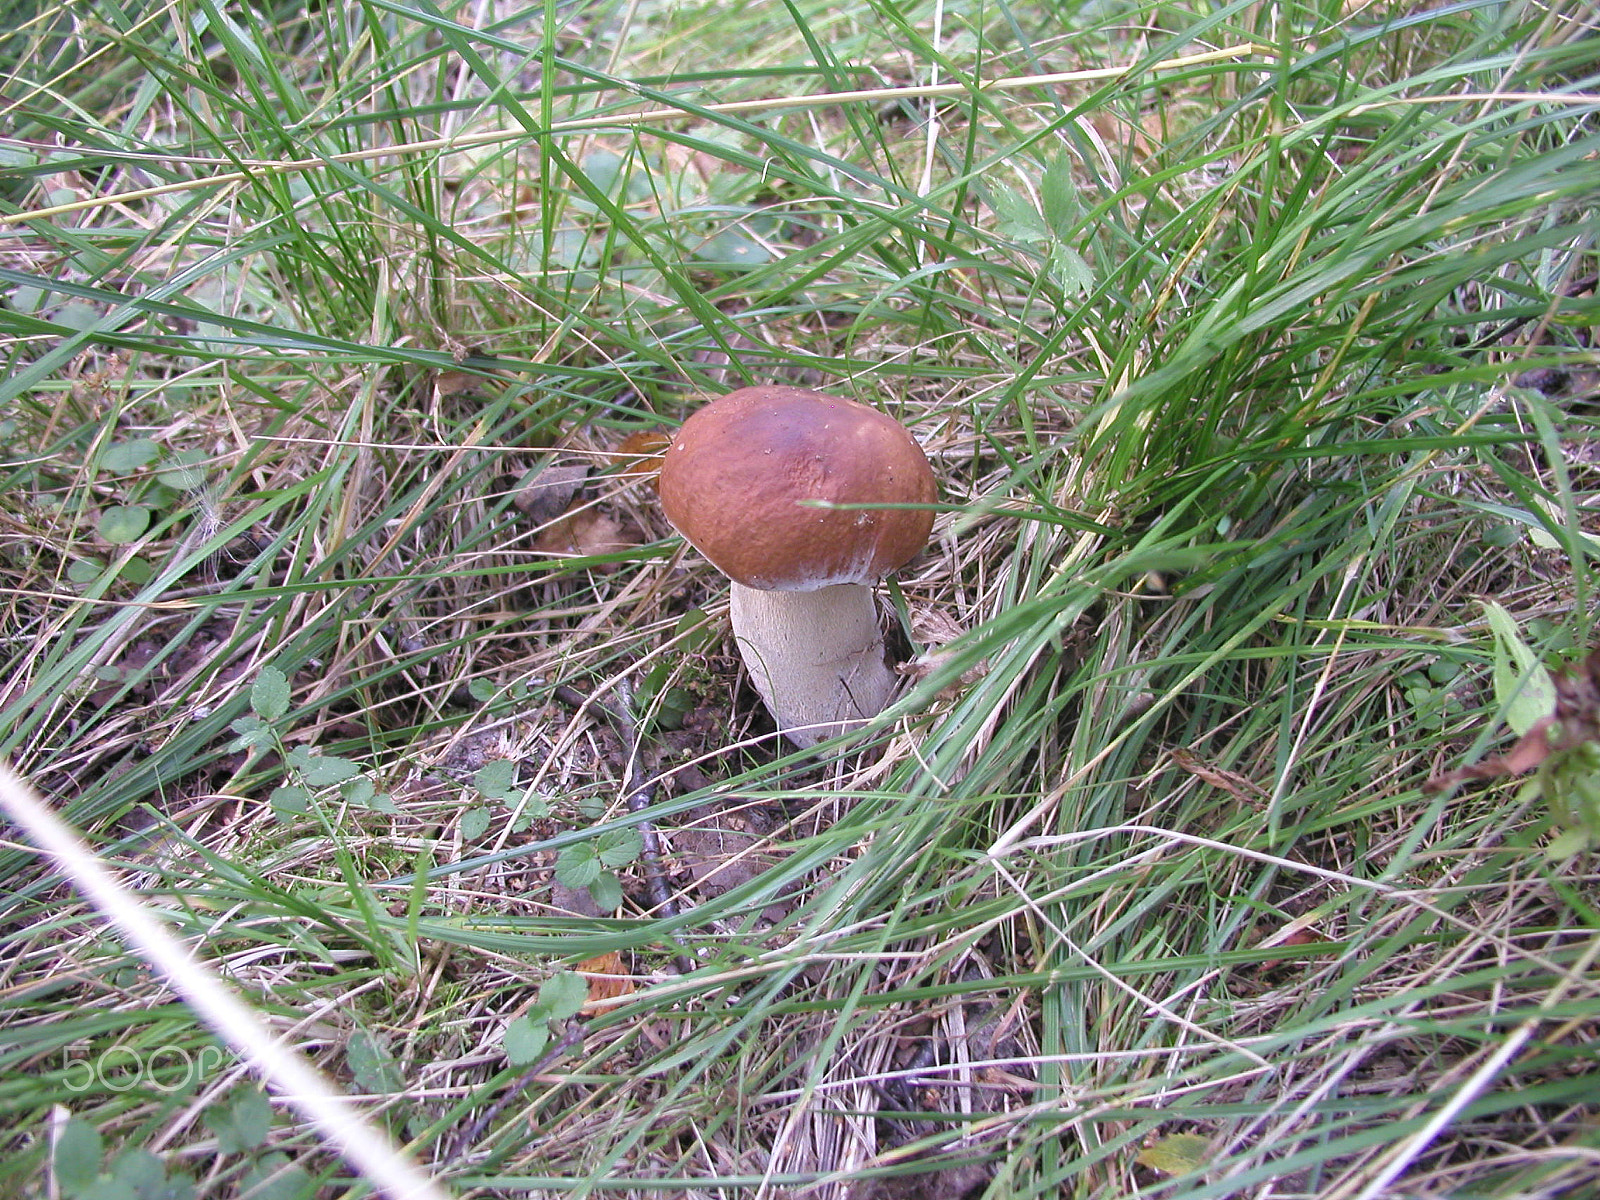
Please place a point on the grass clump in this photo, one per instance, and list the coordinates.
(1253, 348)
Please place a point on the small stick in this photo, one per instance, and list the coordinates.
(571, 1035)
(639, 795)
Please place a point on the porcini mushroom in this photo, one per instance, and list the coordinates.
(735, 481)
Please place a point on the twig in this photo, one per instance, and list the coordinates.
(571, 1035)
(640, 794)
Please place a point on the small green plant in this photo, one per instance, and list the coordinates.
(1556, 717)
(1042, 231)
(497, 781)
(561, 997)
(590, 864)
(594, 864)
(81, 1172)
(130, 487)
(497, 699)
(145, 480)
(240, 1123)
(1569, 780)
(1523, 686)
(1557, 721)
(313, 773)
(1434, 694)
(669, 690)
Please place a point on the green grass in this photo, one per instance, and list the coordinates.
(1227, 349)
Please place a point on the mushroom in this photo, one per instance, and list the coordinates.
(734, 482)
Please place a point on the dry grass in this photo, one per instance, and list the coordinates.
(1138, 892)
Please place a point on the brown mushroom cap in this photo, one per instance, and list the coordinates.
(733, 480)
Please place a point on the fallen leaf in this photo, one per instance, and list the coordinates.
(698, 166)
(546, 494)
(641, 454)
(1240, 787)
(1574, 721)
(721, 850)
(1115, 130)
(607, 976)
(1531, 749)
(1176, 1154)
(454, 383)
(934, 630)
(585, 532)
(1295, 937)
(933, 627)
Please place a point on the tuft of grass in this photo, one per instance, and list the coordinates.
(1253, 346)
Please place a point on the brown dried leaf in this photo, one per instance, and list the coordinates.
(584, 532)
(1295, 937)
(454, 383)
(1576, 720)
(578, 902)
(1238, 786)
(724, 850)
(547, 495)
(698, 165)
(641, 454)
(1532, 748)
(607, 976)
(948, 1183)
(1116, 131)
(935, 629)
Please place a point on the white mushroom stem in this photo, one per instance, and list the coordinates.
(817, 658)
